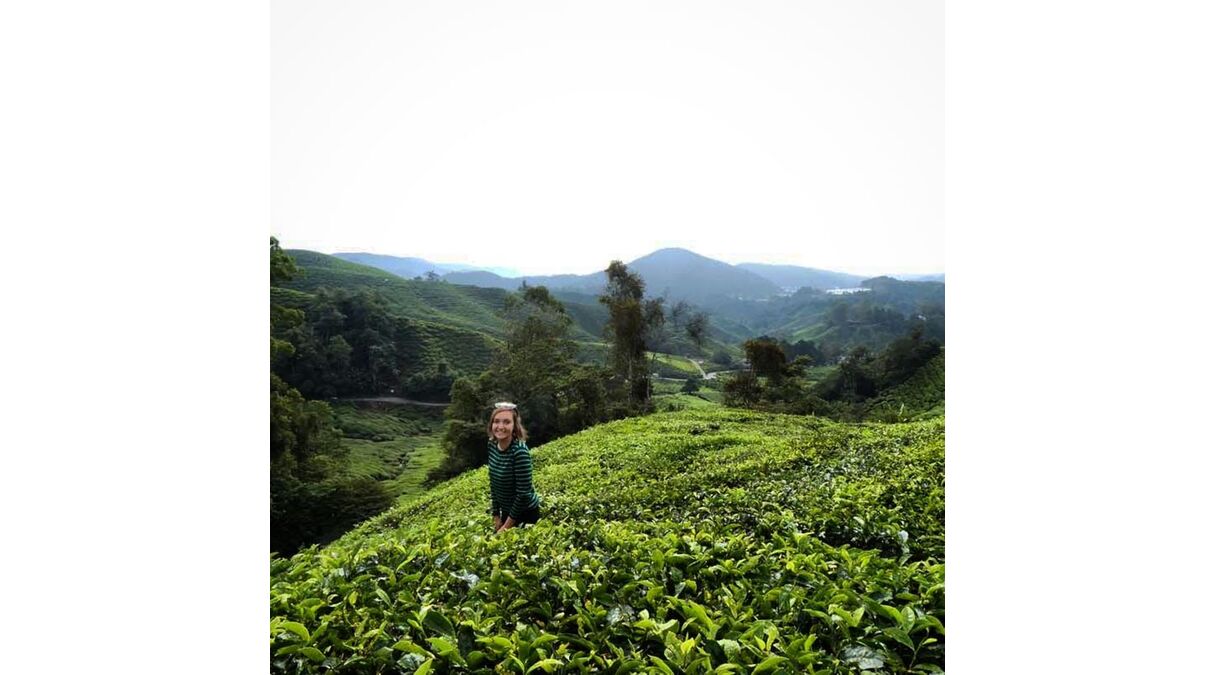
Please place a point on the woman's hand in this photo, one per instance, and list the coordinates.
(510, 522)
(497, 523)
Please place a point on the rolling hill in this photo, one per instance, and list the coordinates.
(695, 541)
(792, 277)
(475, 308)
(478, 309)
(674, 273)
(922, 396)
(413, 267)
(680, 274)
(730, 295)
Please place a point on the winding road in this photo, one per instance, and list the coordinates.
(396, 400)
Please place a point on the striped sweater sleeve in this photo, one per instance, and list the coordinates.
(523, 482)
(495, 507)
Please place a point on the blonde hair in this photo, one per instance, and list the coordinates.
(517, 432)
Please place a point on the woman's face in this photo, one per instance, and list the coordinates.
(503, 425)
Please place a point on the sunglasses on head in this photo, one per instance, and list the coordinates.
(505, 406)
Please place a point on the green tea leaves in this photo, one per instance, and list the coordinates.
(297, 628)
(437, 622)
(775, 545)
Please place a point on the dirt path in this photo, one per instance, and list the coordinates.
(396, 400)
(708, 376)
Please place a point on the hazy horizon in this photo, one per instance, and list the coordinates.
(516, 271)
(552, 138)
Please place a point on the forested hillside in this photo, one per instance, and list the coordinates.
(739, 301)
(795, 277)
(838, 323)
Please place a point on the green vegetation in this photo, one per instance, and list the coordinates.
(395, 445)
(703, 539)
(312, 493)
(536, 369)
(682, 402)
(633, 323)
(688, 542)
(349, 343)
(906, 381)
(470, 307)
(921, 396)
(831, 326)
(385, 422)
(663, 386)
(670, 365)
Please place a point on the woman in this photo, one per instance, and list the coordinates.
(513, 499)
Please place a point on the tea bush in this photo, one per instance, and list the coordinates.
(699, 541)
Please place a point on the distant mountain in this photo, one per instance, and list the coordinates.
(681, 274)
(676, 273)
(906, 295)
(500, 271)
(794, 277)
(416, 267)
(588, 283)
(742, 300)
(920, 277)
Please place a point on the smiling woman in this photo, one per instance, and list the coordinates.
(513, 498)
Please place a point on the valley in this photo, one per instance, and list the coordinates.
(730, 481)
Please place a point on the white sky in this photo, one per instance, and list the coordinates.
(554, 137)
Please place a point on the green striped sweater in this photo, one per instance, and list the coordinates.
(510, 480)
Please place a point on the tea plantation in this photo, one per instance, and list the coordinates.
(697, 541)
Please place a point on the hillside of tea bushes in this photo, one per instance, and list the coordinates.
(698, 541)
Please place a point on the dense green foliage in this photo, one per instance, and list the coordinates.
(311, 492)
(469, 307)
(830, 326)
(921, 396)
(905, 381)
(691, 542)
(740, 301)
(632, 321)
(395, 445)
(669, 365)
(536, 369)
(350, 342)
(865, 383)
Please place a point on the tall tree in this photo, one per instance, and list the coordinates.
(766, 357)
(311, 494)
(282, 269)
(627, 330)
(697, 328)
(282, 266)
(536, 370)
